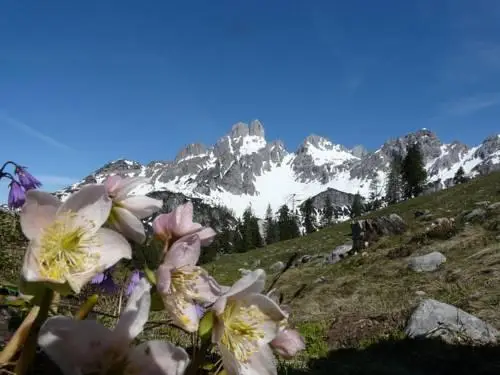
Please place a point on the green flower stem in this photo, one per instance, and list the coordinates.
(29, 350)
(19, 337)
(87, 307)
(198, 358)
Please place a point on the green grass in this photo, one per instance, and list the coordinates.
(353, 321)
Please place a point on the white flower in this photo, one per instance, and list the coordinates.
(127, 209)
(182, 284)
(67, 245)
(84, 347)
(246, 321)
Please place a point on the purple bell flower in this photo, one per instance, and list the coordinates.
(16, 195)
(26, 179)
(104, 281)
(134, 280)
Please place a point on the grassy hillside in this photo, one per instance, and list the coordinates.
(367, 298)
(352, 313)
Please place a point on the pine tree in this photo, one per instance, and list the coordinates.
(328, 211)
(413, 172)
(271, 227)
(309, 216)
(287, 224)
(357, 206)
(394, 185)
(459, 177)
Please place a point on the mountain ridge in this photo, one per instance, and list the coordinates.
(242, 168)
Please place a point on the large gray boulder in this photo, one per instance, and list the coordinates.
(370, 230)
(427, 263)
(433, 319)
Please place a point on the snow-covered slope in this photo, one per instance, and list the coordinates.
(244, 169)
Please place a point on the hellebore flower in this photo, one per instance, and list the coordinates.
(17, 196)
(134, 281)
(181, 284)
(26, 179)
(246, 321)
(127, 209)
(87, 347)
(67, 245)
(179, 223)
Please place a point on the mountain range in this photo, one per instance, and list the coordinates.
(242, 168)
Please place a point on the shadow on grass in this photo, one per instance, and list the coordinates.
(407, 357)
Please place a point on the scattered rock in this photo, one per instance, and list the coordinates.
(494, 206)
(476, 215)
(482, 203)
(433, 319)
(442, 228)
(339, 253)
(320, 280)
(427, 263)
(256, 263)
(277, 267)
(244, 271)
(420, 293)
(420, 213)
(370, 230)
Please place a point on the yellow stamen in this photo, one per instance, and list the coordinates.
(64, 248)
(242, 329)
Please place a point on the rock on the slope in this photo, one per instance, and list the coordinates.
(494, 206)
(427, 263)
(370, 230)
(277, 267)
(340, 252)
(476, 215)
(437, 319)
(340, 201)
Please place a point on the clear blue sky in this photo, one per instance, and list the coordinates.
(85, 82)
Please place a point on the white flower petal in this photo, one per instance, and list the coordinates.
(136, 313)
(73, 344)
(158, 358)
(252, 282)
(207, 290)
(127, 185)
(38, 211)
(112, 247)
(127, 224)
(261, 363)
(229, 361)
(92, 205)
(184, 252)
(182, 311)
(141, 206)
(266, 305)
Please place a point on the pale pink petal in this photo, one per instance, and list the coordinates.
(127, 185)
(206, 235)
(184, 252)
(218, 328)
(158, 358)
(207, 290)
(111, 183)
(229, 361)
(183, 217)
(182, 311)
(73, 344)
(261, 362)
(220, 305)
(128, 225)
(163, 278)
(112, 247)
(136, 313)
(163, 224)
(252, 282)
(288, 343)
(141, 206)
(38, 211)
(266, 305)
(92, 205)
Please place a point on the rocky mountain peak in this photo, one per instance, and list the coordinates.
(318, 142)
(240, 129)
(257, 129)
(190, 151)
(359, 151)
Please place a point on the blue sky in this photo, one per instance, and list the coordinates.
(85, 82)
